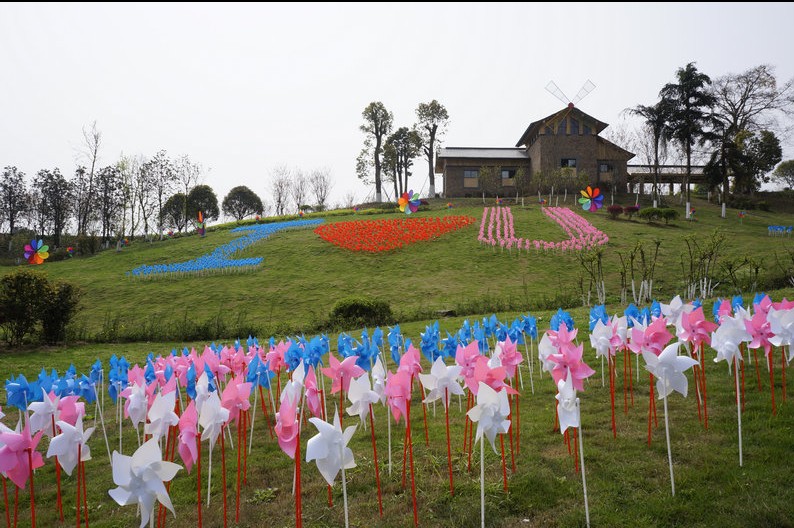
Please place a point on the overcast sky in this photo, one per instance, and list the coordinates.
(243, 88)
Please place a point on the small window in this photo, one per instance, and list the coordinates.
(508, 177)
(471, 178)
(574, 127)
(585, 130)
(604, 167)
(549, 131)
(568, 162)
(562, 127)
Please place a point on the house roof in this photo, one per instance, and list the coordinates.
(535, 127)
(483, 152)
(621, 152)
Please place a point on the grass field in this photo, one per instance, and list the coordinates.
(302, 276)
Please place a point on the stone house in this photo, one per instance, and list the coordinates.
(566, 143)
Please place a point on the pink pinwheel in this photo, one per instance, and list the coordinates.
(493, 377)
(759, 328)
(653, 339)
(69, 409)
(313, 402)
(570, 359)
(342, 373)
(275, 358)
(161, 415)
(398, 393)
(509, 356)
(466, 358)
(562, 338)
(135, 375)
(620, 330)
(724, 309)
(763, 305)
(287, 426)
(236, 398)
(188, 431)
(695, 328)
(409, 362)
(14, 461)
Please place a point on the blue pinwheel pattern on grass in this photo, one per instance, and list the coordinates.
(220, 258)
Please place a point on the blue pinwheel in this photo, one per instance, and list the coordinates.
(598, 313)
(450, 345)
(632, 314)
(530, 324)
(656, 309)
(561, 317)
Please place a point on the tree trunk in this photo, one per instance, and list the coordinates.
(430, 172)
(378, 138)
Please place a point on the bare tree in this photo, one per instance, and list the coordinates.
(187, 174)
(160, 175)
(129, 168)
(349, 200)
(280, 184)
(14, 198)
(85, 181)
(321, 183)
(299, 189)
(144, 194)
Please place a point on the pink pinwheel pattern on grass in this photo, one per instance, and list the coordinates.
(497, 228)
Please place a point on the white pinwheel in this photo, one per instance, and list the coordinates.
(161, 415)
(140, 479)
(65, 445)
(675, 309)
(212, 418)
(442, 382)
(726, 340)
(43, 413)
(379, 380)
(361, 396)
(328, 448)
(781, 323)
(490, 413)
(137, 403)
(567, 410)
(669, 370)
(202, 391)
(545, 350)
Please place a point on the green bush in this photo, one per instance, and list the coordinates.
(668, 214)
(764, 205)
(356, 312)
(651, 214)
(21, 295)
(58, 306)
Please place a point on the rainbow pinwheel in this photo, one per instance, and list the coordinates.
(200, 224)
(70, 251)
(409, 202)
(592, 200)
(36, 252)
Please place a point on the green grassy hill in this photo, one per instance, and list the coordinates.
(303, 276)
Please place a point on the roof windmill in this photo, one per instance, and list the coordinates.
(554, 90)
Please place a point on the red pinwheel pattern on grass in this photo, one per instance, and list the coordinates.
(36, 252)
(384, 235)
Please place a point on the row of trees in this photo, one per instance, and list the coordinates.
(732, 123)
(388, 156)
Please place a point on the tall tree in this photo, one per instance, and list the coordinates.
(690, 104)
(202, 198)
(656, 118)
(280, 185)
(84, 182)
(173, 213)
(55, 201)
(403, 146)
(432, 121)
(187, 174)
(160, 175)
(145, 194)
(760, 153)
(377, 125)
(241, 202)
(129, 167)
(13, 197)
(320, 183)
(110, 200)
(784, 174)
(750, 101)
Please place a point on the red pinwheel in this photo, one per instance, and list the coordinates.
(200, 224)
(409, 202)
(36, 252)
(592, 200)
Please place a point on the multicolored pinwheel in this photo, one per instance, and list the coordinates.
(409, 202)
(592, 200)
(36, 252)
(70, 251)
(200, 224)
(449, 205)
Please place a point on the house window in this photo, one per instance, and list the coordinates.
(585, 130)
(568, 162)
(562, 128)
(471, 178)
(574, 127)
(508, 177)
(604, 167)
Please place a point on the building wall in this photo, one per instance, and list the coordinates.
(548, 151)
(453, 175)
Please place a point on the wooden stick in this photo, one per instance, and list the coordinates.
(375, 454)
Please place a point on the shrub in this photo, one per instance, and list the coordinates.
(615, 211)
(764, 205)
(87, 245)
(649, 213)
(21, 294)
(58, 306)
(356, 312)
(668, 214)
(630, 210)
